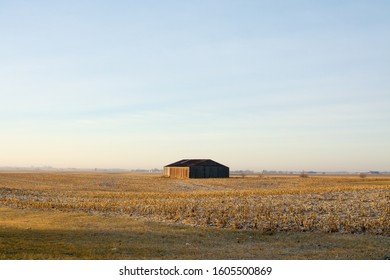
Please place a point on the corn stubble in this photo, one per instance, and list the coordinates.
(265, 204)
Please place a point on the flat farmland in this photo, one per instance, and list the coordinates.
(146, 216)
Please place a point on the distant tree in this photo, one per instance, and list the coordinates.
(362, 175)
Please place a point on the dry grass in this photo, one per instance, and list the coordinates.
(45, 234)
(145, 216)
(265, 204)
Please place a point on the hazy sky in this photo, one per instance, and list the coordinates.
(276, 85)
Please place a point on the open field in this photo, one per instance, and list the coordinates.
(145, 216)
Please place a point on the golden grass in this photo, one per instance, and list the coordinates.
(265, 204)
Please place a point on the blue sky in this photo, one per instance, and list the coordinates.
(276, 85)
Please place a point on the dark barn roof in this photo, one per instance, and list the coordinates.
(194, 162)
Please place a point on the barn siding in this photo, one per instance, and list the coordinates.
(223, 172)
(179, 172)
(209, 172)
(196, 172)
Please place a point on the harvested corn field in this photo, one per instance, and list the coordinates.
(264, 204)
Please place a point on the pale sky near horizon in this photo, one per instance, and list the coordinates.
(275, 85)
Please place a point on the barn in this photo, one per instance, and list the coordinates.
(196, 168)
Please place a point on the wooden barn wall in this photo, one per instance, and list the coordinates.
(179, 172)
(166, 171)
(209, 172)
